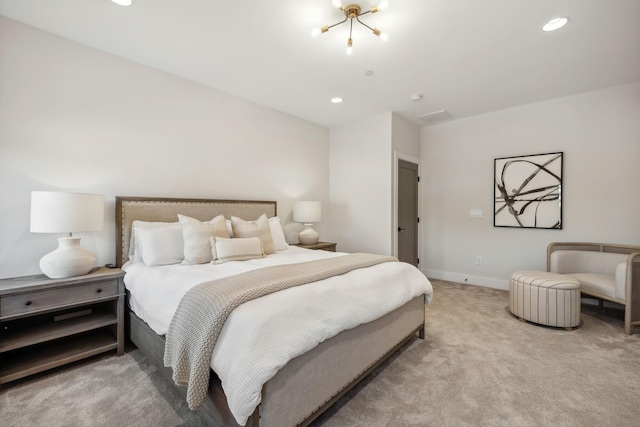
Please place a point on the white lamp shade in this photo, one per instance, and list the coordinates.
(307, 211)
(60, 212)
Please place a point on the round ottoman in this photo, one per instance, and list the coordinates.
(549, 299)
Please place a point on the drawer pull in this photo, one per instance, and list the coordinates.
(27, 303)
(99, 290)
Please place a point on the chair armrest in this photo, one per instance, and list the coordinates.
(633, 277)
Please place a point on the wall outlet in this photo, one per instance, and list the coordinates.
(479, 261)
(475, 213)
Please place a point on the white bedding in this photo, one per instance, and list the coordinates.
(262, 335)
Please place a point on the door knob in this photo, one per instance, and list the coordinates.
(400, 228)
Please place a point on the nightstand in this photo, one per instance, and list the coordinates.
(46, 323)
(324, 246)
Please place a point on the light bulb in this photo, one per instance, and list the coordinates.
(315, 32)
(383, 5)
(349, 47)
(336, 3)
(383, 36)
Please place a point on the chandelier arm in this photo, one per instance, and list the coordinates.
(338, 23)
(364, 24)
(351, 27)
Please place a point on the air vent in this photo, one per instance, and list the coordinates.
(436, 116)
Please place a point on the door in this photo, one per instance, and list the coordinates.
(408, 212)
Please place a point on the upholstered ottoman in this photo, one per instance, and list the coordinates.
(549, 299)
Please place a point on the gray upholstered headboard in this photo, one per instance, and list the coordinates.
(129, 209)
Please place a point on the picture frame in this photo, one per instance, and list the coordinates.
(528, 191)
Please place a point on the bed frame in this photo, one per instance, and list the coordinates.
(308, 384)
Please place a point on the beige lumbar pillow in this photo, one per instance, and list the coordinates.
(258, 228)
(236, 249)
(196, 237)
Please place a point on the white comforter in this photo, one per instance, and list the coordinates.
(262, 335)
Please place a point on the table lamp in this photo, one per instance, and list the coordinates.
(60, 212)
(307, 212)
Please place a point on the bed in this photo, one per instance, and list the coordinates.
(308, 383)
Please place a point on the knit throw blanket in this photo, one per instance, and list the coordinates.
(203, 310)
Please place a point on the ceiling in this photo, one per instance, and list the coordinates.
(468, 57)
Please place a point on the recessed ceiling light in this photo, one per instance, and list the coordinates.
(336, 100)
(368, 73)
(123, 2)
(555, 23)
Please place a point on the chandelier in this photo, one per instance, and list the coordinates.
(351, 12)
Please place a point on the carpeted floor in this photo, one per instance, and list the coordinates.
(479, 366)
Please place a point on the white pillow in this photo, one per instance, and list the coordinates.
(196, 237)
(258, 228)
(229, 227)
(160, 245)
(134, 244)
(237, 249)
(277, 234)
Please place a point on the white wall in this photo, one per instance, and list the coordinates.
(405, 137)
(599, 133)
(76, 119)
(360, 185)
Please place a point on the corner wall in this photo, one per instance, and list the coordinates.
(73, 118)
(406, 146)
(363, 181)
(360, 185)
(599, 133)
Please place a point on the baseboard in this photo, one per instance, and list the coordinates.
(467, 279)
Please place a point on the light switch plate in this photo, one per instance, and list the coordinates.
(475, 213)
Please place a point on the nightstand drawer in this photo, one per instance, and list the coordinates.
(48, 299)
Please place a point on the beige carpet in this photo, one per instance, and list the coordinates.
(479, 366)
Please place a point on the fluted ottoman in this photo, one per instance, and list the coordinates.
(549, 299)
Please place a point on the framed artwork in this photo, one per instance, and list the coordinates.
(527, 191)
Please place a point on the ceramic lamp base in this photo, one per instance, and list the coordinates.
(68, 260)
(308, 236)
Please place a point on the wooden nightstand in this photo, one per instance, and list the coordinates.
(46, 323)
(324, 246)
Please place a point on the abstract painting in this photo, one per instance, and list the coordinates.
(528, 191)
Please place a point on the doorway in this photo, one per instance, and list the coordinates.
(407, 210)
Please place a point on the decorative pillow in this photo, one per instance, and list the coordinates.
(277, 234)
(237, 249)
(134, 243)
(258, 228)
(229, 228)
(196, 237)
(160, 245)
